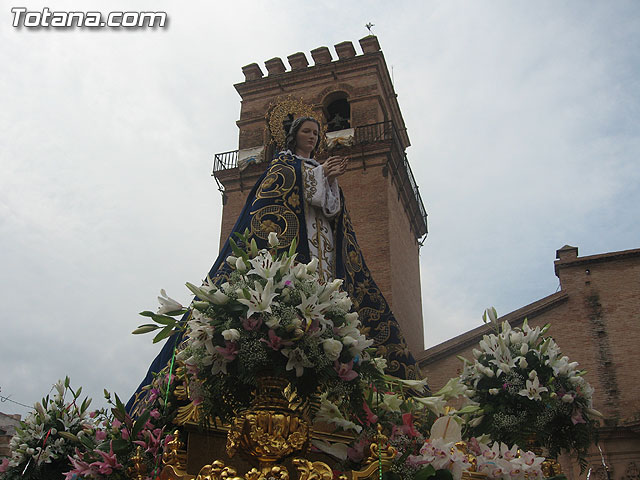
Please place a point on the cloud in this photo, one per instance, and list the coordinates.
(523, 122)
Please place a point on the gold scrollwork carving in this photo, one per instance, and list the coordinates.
(175, 453)
(189, 413)
(218, 471)
(279, 181)
(308, 470)
(278, 219)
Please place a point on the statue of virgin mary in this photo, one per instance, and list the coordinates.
(299, 199)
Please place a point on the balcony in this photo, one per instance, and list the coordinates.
(377, 133)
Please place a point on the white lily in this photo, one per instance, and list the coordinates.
(415, 384)
(297, 360)
(265, 266)
(533, 389)
(260, 299)
(311, 308)
(312, 266)
(331, 414)
(273, 239)
(241, 266)
(357, 343)
(435, 404)
(231, 335)
(391, 402)
(325, 291)
(337, 450)
(167, 304)
(453, 388)
(380, 364)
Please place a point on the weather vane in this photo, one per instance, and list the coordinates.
(369, 25)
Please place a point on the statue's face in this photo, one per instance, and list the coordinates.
(307, 138)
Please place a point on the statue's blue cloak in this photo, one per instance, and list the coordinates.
(276, 203)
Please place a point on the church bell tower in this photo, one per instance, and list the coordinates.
(354, 97)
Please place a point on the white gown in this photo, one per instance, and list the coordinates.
(322, 203)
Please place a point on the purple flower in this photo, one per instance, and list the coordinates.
(251, 324)
(345, 370)
(275, 342)
(229, 352)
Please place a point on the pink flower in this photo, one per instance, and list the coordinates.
(356, 453)
(109, 462)
(93, 414)
(80, 468)
(155, 414)
(229, 352)
(576, 417)
(275, 342)
(4, 465)
(152, 440)
(474, 446)
(371, 417)
(408, 427)
(101, 435)
(153, 395)
(345, 370)
(251, 324)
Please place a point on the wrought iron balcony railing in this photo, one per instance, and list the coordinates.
(364, 135)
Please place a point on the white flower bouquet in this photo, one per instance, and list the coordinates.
(46, 437)
(528, 391)
(271, 316)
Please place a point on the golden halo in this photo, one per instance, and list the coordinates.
(278, 112)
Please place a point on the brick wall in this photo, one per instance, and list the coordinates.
(595, 319)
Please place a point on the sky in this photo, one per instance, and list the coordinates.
(524, 121)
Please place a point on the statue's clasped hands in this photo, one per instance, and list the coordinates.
(334, 167)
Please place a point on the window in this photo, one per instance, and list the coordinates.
(338, 112)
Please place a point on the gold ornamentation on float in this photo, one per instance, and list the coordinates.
(218, 471)
(138, 469)
(175, 454)
(381, 449)
(308, 470)
(189, 413)
(275, 426)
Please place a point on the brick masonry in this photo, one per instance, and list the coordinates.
(595, 319)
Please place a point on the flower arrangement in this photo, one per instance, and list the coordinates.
(272, 316)
(118, 445)
(498, 461)
(40, 447)
(63, 440)
(527, 390)
(425, 434)
(403, 415)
